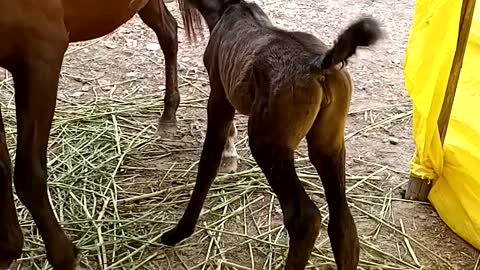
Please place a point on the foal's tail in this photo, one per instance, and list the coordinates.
(364, 32)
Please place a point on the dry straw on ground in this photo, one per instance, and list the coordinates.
(115, 198)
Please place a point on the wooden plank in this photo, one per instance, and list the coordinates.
(468, 7)
(417, 189)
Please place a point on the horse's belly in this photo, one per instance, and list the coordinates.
(89, 19)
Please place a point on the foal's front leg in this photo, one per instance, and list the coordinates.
(36, 83)
(220, 116)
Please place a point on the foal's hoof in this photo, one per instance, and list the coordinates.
(172, 237)
(7, 258)
(69, 259)
(78, 267)
(166, 129)
(5, 264)
(11, 249)
(77, 263)
(229, 164)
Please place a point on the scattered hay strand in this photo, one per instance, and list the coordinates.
(477, 263)
(407, 242)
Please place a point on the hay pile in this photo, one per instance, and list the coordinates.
(116, 188)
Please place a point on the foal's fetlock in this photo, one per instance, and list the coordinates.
(344, 241)
(229, 164)
(10, 250)
(306, 225)
(314, 222)
(166, 128)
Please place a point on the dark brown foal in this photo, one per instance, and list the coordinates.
(291, 86)
(34, 37)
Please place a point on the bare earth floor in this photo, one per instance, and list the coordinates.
(116, 186)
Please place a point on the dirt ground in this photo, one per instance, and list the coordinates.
(129, 63)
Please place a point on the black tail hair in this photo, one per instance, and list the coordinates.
(363, 32)
(192, 19)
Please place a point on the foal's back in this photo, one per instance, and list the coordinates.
(244, 45)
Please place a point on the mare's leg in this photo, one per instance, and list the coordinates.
(220, 117)
(230, 155)
(11, 239)
(36, 82)
(156, 15)
(327, 153)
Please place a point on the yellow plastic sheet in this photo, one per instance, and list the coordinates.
(455, 168)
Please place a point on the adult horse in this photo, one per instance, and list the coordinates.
(34, 38)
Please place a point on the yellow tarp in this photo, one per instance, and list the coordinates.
(455, 169)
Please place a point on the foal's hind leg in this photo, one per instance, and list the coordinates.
(11, 238)
(327, 153)
(275, 129)
(220, 116)
(301, 217)
(230, 156)
(36, 82)
(156, 15)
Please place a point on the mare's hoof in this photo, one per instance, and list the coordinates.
(166, 129)
(229, 164)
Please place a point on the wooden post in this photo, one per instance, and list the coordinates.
(418, 189)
